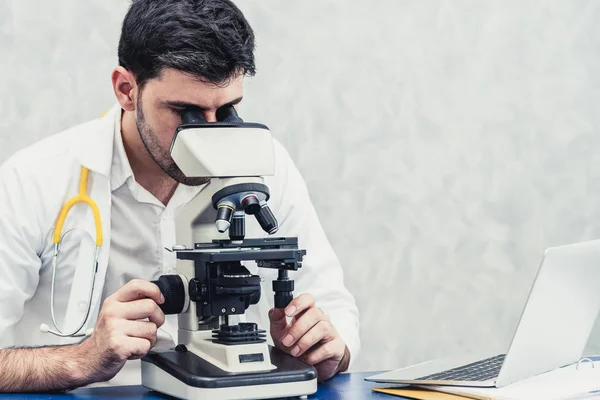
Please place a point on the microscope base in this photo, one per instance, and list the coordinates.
(187, 376)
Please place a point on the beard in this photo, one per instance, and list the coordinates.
(161, 156)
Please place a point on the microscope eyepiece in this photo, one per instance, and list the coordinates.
(193, 117)
(228, 114)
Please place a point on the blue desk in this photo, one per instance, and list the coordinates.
(342, 387)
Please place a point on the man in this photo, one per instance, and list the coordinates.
(174, 55)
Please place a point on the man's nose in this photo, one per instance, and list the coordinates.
(210, 115)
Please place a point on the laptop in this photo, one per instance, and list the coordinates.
(552, 332)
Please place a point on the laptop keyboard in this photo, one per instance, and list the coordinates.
(478, 371)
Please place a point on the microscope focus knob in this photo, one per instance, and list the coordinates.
(283, 292)
(197, 290)
(172, 288)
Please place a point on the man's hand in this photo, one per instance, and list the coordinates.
(118, 336)
(121, 332)
(310, 336)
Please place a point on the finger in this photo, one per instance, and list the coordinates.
(321, 331)
(136, 347)
(333, 350)
(299, 304)
(139, 289)
(142, 330)
(302, 325)
(140, 309)
(298, 315)
(278, 320)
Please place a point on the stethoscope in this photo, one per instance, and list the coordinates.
(82, 197)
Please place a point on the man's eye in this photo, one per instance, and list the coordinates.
(178, 111)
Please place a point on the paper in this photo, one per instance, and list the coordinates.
(592, 395)
(565, 383)
(421, 394)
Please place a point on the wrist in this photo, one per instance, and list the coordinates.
(78, 364)
(344, 362)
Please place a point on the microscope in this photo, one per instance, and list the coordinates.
(213, 358)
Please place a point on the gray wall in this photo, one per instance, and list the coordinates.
(446, 144)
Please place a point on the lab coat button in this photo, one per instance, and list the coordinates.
(82, 306)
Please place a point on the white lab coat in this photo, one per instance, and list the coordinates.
(37, 181)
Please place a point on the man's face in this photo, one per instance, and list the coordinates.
(159, 107)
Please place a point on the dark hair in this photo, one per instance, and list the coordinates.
(209, 39)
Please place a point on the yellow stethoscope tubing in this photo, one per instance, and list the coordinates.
(82, 197)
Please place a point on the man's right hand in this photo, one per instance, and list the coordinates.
(122, 332)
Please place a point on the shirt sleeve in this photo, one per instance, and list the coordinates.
(19, 261)
(321, 273)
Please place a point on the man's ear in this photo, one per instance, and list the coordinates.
(124, 86)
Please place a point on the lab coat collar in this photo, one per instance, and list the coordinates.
(121, 170)
(94, 147)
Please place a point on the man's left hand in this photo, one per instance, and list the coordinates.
(310, 336)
